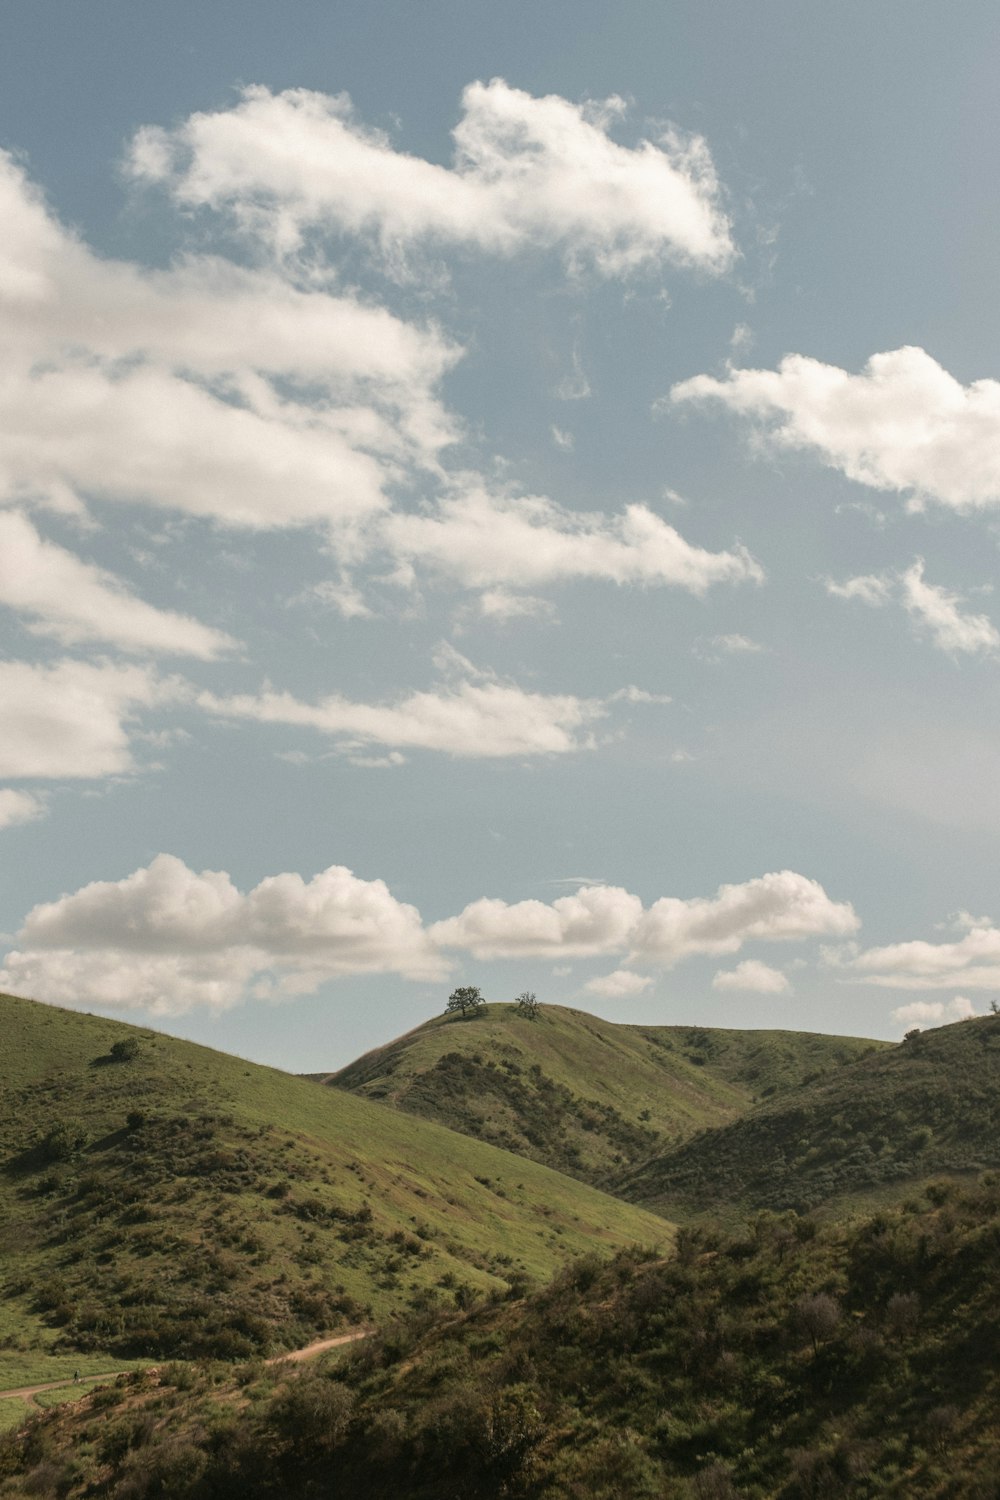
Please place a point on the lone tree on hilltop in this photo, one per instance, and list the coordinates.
(467, 1000)
(528, 1006)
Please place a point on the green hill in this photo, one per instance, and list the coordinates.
(927, 1107)
(587, 1096)
(793, 1361)
(182, 1202)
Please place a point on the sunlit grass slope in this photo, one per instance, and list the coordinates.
(182, 1201)
(587, 1096)
(863, 1134)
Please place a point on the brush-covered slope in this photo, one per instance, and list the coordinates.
(586, 1096)
(180, 1201)
(793, 1361)
(928, 1106)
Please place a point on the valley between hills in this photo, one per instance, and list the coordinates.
(598, 1260)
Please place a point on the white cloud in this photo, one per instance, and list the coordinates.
(871, 588)
(775, 907)
(973, 962)
(934, 1012)
(618, 985)
(473, 715)
(751, 974)
(903, 424)
(503, 606)
(72, 719)
(207, 389)
(75, 601)
(483, 541)
(937, 611)
(934, 610)
(528, 173)
(562, 440)
(596, 920)
(607, 919)
(714, 648)
(166, 939)
(19, 807)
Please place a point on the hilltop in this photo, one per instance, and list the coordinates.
(589, 1097)
(891, 1119)
(160, 1198)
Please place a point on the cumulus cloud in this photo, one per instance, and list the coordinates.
(773, 908)
(19, 807)
(528, 172)
(593, 921)
(75, 601)
(484, 541)
(751, 974)
(935, 611)
(73, 719)
(934, 1012)
(208, 389)
(607, 919)
(472, 715)
(166, 939)
(972, 962)
(617, 986)
(903, 424)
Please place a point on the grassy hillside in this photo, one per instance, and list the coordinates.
(793, 1361)
(583, 1095)
(182, 1202)
(928, 1106)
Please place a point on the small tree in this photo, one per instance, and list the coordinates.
(126, 1050)
(467, 1000)
(527, 1006)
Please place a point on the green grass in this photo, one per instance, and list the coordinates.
(243, 1208)
(586, 1096)
(14, 1412)
(855, 1140)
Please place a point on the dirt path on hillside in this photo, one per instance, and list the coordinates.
(30, 1391)
(296, 1356)
(291, 1356)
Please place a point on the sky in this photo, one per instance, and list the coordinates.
(499, 495)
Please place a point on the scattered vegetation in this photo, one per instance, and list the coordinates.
(184, 1204)
(873, 1129)
(792, 1360)
(588, 1097)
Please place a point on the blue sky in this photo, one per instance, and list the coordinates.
(499, 495)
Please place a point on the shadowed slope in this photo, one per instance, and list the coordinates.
(928, 1106)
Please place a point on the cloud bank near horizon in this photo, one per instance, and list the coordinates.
(167, 939)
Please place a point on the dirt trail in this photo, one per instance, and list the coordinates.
(295, 1356)
(291, 1356)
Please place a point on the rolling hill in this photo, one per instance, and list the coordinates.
(160, 1198)
(891, 1119)
(589, 1097)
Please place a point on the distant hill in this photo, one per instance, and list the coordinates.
(160, 1198)
(890, 1119)
(589, 1097)
(793, 1361)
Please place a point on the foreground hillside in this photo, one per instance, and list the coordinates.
(891, 1119)
(791, 1361)
(583, 1095)
(181, 1202)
